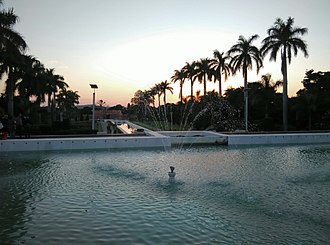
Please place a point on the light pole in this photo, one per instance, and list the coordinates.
(93, 86)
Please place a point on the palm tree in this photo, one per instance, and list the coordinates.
(243, 54)
(220, 66)
(203, 72)
(12, 45)
(179, 75)
(163, 87)
(158, 91)
(53, 83)
(66, 100)
(189, 71)
(285, 38)
(152, 93)
(32, 75)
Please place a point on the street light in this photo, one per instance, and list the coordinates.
(93, 86)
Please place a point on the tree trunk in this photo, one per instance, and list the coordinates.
(49, 113)
(192, 90)
(181, 91)
(204, 84)
(165, 110)
(220, 85)
(285, 91)
(10, 94)
(53, 108)
(246, 97)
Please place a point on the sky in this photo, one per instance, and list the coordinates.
(127, 45)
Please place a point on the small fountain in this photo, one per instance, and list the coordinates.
(171, 175)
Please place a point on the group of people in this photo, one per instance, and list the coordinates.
(10, 126)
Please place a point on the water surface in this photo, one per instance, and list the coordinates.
(222, 195)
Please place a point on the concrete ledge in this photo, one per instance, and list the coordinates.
(267, 139)
(163, 140)
(51, 144)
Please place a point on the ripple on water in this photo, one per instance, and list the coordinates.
(221, 196)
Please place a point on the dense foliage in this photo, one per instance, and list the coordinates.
(28, 83)
(309, 110)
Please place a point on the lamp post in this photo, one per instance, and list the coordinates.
(93, 86)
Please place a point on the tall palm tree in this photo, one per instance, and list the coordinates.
(179, 75)
(53, 83)
(203, 71)
(158, 91)
(163, 87)
(152, 93)
(12, 45)
(284, 37)
(243, 54)
(221, 66)
(189, 71)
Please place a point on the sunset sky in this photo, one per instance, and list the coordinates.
(126, 45)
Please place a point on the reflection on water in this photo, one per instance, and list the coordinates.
(257, 195)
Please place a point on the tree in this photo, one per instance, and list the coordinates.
(220, 66)
(283, 37)
(306, 101)
(235, 96)
(31, 78)
(138, 98)
(179, 75)
(66, 100)
(52, 84)
(101, 103)
(12, 45)
(314, 99)
(243, 54)
(158, 91)
(142, 99)
(268, 90)
(163, 87)
(203, 72)
(153, 92)
(189, 71)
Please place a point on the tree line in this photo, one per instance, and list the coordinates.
(284, 39)
(28, 83)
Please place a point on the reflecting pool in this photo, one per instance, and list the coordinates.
(221, 195)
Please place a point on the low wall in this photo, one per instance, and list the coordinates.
(164, 140)
(267, 139)
(51, 144)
